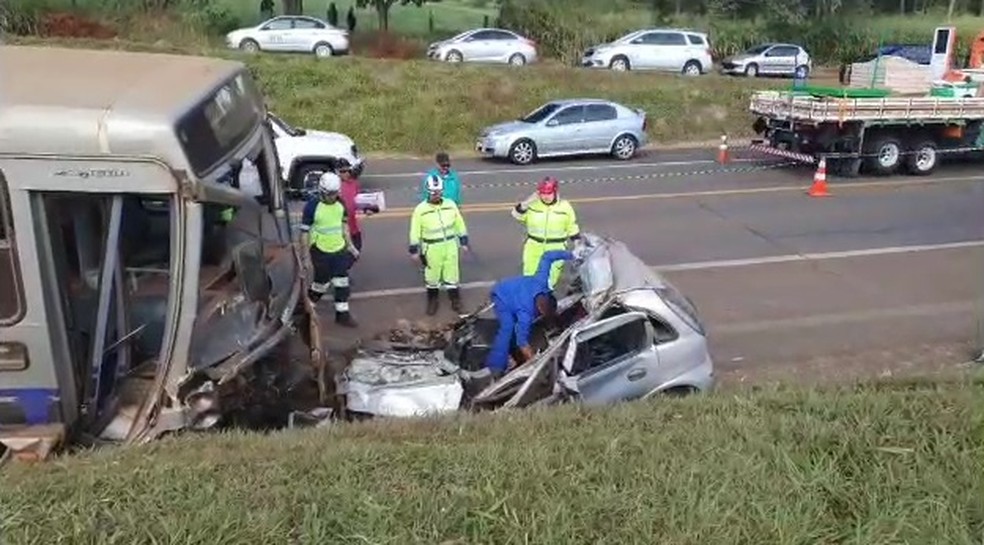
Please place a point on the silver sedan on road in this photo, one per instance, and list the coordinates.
(491, 45)
(567, 127)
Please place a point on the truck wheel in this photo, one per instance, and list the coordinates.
(884, 155)
(297, 187)
(922, 159)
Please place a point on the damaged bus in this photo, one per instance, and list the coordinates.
(147, 270)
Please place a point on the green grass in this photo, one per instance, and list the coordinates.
(868, 466)
(419, 106)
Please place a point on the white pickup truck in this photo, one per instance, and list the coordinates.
(303, 152)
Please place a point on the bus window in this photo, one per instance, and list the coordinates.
(11, 302)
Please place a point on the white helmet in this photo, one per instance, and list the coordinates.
(330, 182)
(435, 183)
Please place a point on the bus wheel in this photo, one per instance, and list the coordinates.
(922, 159)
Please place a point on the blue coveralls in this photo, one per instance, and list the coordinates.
(452, 186)
(515, 308)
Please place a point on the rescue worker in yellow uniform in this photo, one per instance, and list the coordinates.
(326, 240)
(437, 228)
(550, 224)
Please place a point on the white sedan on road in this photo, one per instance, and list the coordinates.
(291, 34)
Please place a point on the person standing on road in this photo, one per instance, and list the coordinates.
(449, 179)
(436, 230)
(518, 301)
(327, 244)
(350, 189)
(550, 223)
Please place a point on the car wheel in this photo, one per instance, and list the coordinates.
(323, 51)
(884, 155)
(305, 178)
(620, 64)
(923, 159)
(517, 59)
(692, 68)
(454, 56)
(752, 70)
(522, 152)
(624, 147)
(801, 72)
(249, 46)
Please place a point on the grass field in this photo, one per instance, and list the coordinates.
(868, 466)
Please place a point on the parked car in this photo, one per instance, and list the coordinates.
(304, 153)
(623, 333)
(668, 50)
(770, 59)
(492, 45)
(567, 127)
(291, 34)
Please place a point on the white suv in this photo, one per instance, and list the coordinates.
(303, 152)
(663, 49)
(291, 34)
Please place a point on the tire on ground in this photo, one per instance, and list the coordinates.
(883, 154)
(923, 157)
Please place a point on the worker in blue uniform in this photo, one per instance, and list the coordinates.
(518, 301)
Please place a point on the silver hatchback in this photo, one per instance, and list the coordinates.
(769, 59)
(491, 45)
(567, 127)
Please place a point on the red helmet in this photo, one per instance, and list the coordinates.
(548, 186)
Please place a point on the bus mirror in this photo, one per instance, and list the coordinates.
(248, 260)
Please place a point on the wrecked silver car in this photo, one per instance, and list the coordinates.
(622, 333)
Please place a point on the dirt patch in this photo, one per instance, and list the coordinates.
(386, 45)
(71, 25)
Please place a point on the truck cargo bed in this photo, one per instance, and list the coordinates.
(806, 108)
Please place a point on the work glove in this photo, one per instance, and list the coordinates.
(354, 251)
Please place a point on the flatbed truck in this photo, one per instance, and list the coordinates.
(879, 135)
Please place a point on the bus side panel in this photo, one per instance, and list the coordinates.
(35, 373)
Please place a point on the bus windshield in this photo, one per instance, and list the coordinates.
(220, 124)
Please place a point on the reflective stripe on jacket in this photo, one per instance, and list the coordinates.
(548, 223)
(434, 223)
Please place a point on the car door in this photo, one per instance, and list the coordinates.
(780, 59)
(275, 35)
(304, 34)
(674, 51)
(600, 127)
(562, 133)
(614, 359)
(643, 51)
(479, 46)
(501, 45)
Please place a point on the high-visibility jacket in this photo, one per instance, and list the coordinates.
(436, 223)
(325, 223)
(549, 223)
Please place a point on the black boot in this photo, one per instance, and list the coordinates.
(345, 319)
(455, 295)
(432, 301)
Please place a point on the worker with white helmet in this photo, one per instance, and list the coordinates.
(436, 230)
(327, 243)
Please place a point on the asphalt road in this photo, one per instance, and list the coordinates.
(899, 298)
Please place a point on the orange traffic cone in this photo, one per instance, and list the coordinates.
(723, 150)
(819, 187)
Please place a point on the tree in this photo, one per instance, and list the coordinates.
(332, 14)
(293, 7)
(382, 8)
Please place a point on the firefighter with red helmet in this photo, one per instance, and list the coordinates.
(550, 224)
